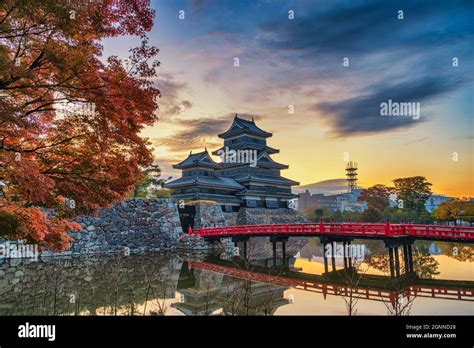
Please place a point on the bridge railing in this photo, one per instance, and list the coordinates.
(437, 231)
(332, 228)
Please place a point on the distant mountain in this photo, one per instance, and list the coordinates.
(328, 187)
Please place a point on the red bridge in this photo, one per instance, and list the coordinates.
(359, 230)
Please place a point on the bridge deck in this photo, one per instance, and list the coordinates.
(359, 230)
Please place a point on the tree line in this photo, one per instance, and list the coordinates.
(404, 202)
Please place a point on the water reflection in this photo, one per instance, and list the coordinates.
(442, 282)
(94, 286)
(207, 292)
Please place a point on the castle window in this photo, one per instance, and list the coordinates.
(251, 203)
(272, 204)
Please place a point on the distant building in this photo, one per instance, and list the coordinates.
(393, 200)
(434, 201)
(307, 200)
(246, 177)
(349, 201)
(431, 203)
(342, 202)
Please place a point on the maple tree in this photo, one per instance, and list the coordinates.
(69, 118)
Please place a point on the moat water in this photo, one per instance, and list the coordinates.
(203, 284)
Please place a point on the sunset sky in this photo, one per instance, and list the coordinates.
(299, 62)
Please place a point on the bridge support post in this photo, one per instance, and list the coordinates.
(283, 250)
(397, 261)
(410, 257)
(344, 246)
(406, 261)
(333, 260)
(274, 253)
(390, 256)
(350, 256)
(326, 268)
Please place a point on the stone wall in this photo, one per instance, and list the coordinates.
(254, 216)
(208, 215)
(133, 226)
(230, 218)
(260, 247)
(140, 225)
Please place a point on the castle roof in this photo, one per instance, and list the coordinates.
(215, 181)
(241, 126)
(200, 159)
(265, 179)
(263, 161)
(244, 146)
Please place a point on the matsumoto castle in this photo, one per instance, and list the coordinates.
(246, 176)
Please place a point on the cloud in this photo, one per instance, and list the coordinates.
(176, 109)
(170, 102)
(166, 165)
(198, 6)
(417, 141)
(361, 115)
(403, 60)
(199, 133)
(166, 161)
(370, 26)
